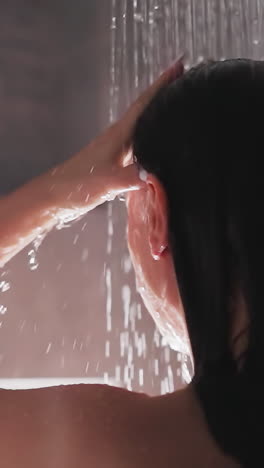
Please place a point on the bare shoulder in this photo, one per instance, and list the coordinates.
(142, 431)
(99, 426)
(66, 426)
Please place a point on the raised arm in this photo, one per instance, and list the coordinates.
(89, 178)
(60, 195)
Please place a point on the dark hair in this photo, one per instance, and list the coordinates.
(203, 138)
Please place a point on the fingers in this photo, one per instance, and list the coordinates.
(165, 78)
(126, 125)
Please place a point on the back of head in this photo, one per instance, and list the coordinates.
(202, 136)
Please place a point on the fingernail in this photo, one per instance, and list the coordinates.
(177, 68)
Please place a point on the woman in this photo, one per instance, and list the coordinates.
(195, 235)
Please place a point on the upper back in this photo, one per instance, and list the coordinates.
(98, 426)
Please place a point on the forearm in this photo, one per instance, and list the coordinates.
(42, 203)
(60, 195)
(70, 190)
(24, 214)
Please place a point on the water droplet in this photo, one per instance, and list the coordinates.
(141, 377)
(76, 238)
(138, 18)
(121, 197)
(4, 286)
(32, 260)
(85, 255)
(3, 309)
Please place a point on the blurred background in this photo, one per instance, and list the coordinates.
(68, 307)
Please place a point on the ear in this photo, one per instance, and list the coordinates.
(157, 218)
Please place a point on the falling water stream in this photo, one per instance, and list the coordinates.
(146, 36)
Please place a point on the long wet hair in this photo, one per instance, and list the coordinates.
(203, 137)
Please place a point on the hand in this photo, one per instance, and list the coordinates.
(97, 172)
(85, 181)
